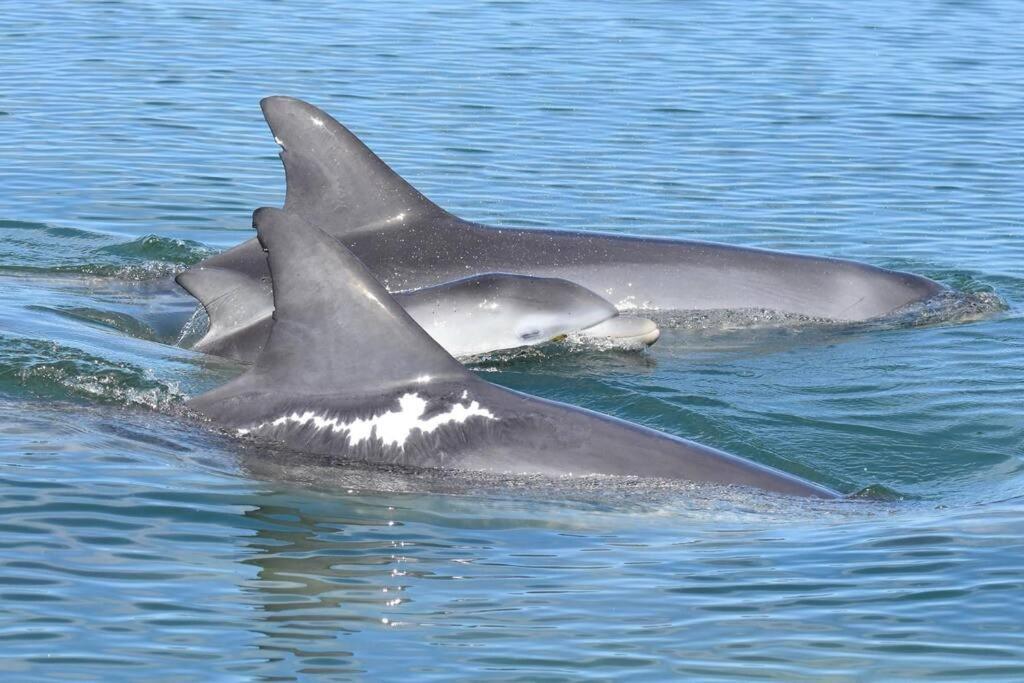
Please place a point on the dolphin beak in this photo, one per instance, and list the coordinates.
(624, 330)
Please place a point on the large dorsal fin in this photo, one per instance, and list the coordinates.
(336, 329)
(330, 173)
(334, 182)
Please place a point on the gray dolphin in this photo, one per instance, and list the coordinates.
(335, 182)
(347, 373)
(496, 311)
(468, 317)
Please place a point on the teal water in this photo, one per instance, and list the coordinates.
(137, 545)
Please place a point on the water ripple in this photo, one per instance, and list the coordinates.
(136, 544)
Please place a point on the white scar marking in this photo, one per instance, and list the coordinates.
(317, 121)
(278, 141)
(393, 427)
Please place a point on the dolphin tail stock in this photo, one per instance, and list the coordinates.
(335, 328)
(330, 173)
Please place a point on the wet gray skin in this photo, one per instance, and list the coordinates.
(496, 311)
(468, 317)
(347, 373)
(334, 181)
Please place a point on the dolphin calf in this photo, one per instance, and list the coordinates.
(336, 183)
(496, 311)
(468, 317)
(347, 373)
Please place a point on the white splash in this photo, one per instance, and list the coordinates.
(630, 303)
(627, 304)
(393, 427)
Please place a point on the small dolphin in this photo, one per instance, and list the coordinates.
(335, 182)
(468, 317)
(496, 311)
(347, 373)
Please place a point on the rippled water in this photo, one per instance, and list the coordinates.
(135, 544)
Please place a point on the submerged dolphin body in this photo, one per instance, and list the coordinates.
(347, 373)
(468, 317)
(335, 182)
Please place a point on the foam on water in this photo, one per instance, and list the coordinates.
(40, 249)
(50, 370)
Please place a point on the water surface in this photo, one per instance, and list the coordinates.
(136, 544)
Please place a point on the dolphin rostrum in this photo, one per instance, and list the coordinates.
(468, 317)
(336, 183)
(348, 374)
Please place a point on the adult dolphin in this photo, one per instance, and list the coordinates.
(468, 317)
(348, 374)
(334, 181)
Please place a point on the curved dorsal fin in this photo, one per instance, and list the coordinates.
(336, 329)
(330, 173)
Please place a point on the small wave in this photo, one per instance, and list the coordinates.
(565, 351)
(949, 306)
(952, 306)
(732, 319)
(54, 371)
(159, 249)
(40, 248)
